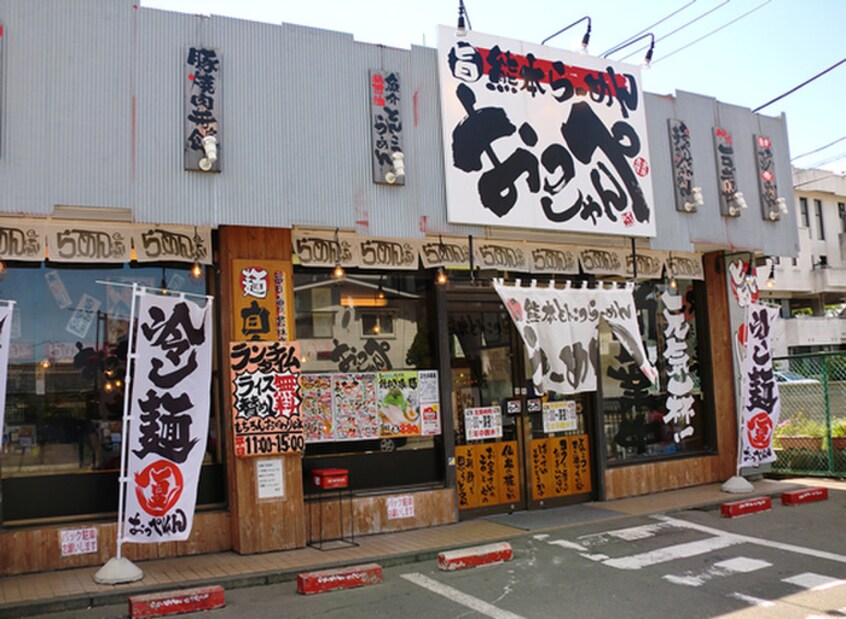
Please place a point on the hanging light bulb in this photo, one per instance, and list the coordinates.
(338, 271)
(441, 279)
(46, 364)
(163, 283)
(770, 283)
(196, 270)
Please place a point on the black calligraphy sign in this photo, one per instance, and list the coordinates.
(730, 206)
(386, 127)
(202, 108)
(766, 178)
(681, 157)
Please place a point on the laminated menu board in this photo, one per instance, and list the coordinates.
(398, 404)
(369, 405)
(356, 416)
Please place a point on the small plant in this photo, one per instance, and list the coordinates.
(801, 425)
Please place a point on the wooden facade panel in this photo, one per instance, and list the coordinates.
(38, 549)
(266, 525)
(508, 471)
(465, 476)
(370, 514)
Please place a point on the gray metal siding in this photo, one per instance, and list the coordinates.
(295, 143)
(66, 107)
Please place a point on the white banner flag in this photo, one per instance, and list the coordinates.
(560, 330)
(761, 401)
(5, 332)
(169, 417)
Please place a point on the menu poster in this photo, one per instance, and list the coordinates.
(316, 407)
(356, 415)
(398, 403)
(559, 416)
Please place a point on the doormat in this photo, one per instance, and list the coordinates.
(534, 520)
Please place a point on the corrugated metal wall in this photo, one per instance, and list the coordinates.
(92, 116)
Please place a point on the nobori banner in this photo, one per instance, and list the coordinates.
(536, 137)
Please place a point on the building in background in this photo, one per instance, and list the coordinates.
(323, 186)
(811, 286)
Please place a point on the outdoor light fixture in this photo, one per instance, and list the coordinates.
(751, 273)
(2, 267)
(672, 283)
(338, 271)
(585, 39)
(441, 278)
(782, 205)
(163, 283)
(740, 200)
(210, 149)
(461, 30)
(196, 268)
(646, 59)
(380, 292)
(770, 283)
(398, 160)
(696, 199)
(46, 364)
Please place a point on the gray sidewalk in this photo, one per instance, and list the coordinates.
(71, 589)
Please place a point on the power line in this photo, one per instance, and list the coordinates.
(814, 180)
(805, 83)
(830, 159)
(715, 31)
(682, 27)
(647, 29)
(816, 150)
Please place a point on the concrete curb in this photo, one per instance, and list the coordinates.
(452, 560)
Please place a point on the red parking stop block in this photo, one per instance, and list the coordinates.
(807, 495)
(340, 578)
(746, 506)
(474, 557)
(176, 602)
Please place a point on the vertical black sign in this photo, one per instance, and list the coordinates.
(202, 109)
(682, 160)
(386, 128)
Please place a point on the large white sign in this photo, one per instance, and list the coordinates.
(560, 329)
(761, 405)
(536, 137)
(169, 418)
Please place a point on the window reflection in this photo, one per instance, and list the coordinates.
(67, 363)
(645, 420)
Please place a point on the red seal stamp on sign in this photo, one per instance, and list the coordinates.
(760, 430)
(640, 166)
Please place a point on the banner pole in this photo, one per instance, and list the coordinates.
(119, 569)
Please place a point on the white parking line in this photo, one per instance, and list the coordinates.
(814, 582)
(459, 597)
(746, 539)
(671, 553)
(738, 565)
(750, 599)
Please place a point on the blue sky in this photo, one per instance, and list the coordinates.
(776, 46)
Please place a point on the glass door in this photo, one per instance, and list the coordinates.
(486, 359)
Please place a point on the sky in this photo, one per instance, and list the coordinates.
(750, 52)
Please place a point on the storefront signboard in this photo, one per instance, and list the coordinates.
(536, 137)
(154, 243)
(650, 264)
(259, 305)
(23, 239)
(169, 417)
(266, 398)
(445, 252)
(202, 109)
(681, 159)
(761, 405)
(82, 241)
(326, 248)
(560, 329)
(481, 423)
(386, 128)
(680, 400)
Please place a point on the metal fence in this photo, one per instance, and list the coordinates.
(810, 438)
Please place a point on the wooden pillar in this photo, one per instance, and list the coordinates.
(722, 363)
(275, 524)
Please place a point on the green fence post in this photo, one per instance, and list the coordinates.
(826, 399)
